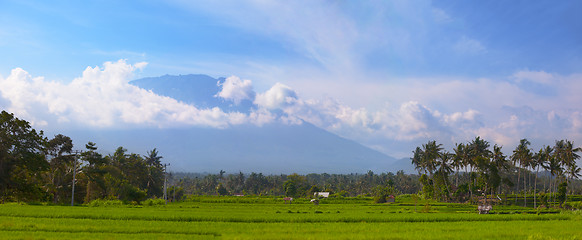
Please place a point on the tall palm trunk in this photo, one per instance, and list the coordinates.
(457, 178)
(524, 189)
(471, 184)
(536, 187)
(517, 185)
(544, 185)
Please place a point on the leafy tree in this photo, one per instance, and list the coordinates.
(94, 171)
(176, 193)
(381, 193)
(21, 160)
(427, 188)
(221, 190)
(290, 188)
(295, 185)
(256, 183)
(61, 166)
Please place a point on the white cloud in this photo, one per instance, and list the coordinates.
(102, 97)
(533, 76)
(236, 90)
(469, 46)
(279, 96)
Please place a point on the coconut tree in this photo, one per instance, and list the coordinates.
(432, 152)
(459, 160)
(477, 149)
(417, 160)
(499, 160)
(568, 156)
(521, 158)
(554, 166)
(540, 159)
(444, 164)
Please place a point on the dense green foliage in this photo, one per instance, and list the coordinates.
(491, 173)
(35, 168)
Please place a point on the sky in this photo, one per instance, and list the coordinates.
(390, 75)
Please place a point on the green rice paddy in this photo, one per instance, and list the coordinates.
(270, 218)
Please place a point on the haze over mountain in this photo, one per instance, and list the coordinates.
(271, 148)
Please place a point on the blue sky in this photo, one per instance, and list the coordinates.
(388, 74)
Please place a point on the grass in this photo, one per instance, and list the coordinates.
(269, 218)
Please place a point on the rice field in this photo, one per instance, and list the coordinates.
(270, 218)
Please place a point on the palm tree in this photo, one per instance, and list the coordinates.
(539, 160)
(417, 160)
(444, 168)
(555, 167)
(154, 168)
(568, 155)
(478, 149)
(430, 152)
(521, 155)
(499, 160)
(459, 160)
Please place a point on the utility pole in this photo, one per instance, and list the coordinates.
(166, 183)
(75, 154)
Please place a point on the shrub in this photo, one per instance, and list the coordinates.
(154, 202)
(382, 193)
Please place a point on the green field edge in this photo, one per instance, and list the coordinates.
(173, 232)
(414, 217)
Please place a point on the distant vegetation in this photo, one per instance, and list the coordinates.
(34, 168)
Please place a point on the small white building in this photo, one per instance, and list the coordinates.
(321, 194)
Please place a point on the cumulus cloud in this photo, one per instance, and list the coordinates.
(236, 90)
(278, 97)
(102, 97)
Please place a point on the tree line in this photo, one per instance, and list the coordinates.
(35, 168)
(294, 185)
(489, 172)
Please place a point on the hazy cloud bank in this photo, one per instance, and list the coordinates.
(500, 111)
